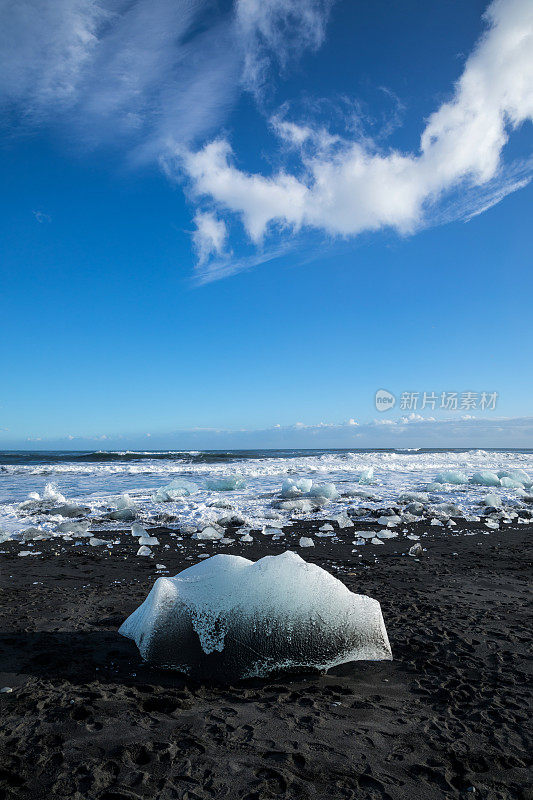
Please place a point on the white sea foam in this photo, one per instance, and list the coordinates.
(256, 484)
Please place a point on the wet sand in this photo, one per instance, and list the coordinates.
(448, 718)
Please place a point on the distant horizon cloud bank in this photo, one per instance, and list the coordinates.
(413, 431)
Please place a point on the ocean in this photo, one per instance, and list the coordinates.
(97, 479)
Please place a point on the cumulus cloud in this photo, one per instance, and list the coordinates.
(348, 186)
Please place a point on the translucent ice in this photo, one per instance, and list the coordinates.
(208, 533)
(485, 478)
(229, 618)
(327, 490)
(367, 475)
(519, 475)
(174, 491)
(511, 483)
(306, 541)
(295, 488)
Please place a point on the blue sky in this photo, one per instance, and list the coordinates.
(208, 223)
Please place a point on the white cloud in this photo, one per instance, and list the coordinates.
(349, 186)
(148, 73)
(209, 237)
(279, 30)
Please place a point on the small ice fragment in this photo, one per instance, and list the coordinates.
(451, 523)
(492, 501)
(95, 542)
(389, 521)
(268, 530)
(387, 534)
(326, 527)
(436, 522)
(492, 524)
(144, 551)
(246, 538)
(124, 501)
(138, 530)
(366, 475)
(6, 689)
(342, 520)
(208, 533)
(375, 540)
(148, 540)
(416, 550)
(305, 541)
(358, 542)
(160, 566)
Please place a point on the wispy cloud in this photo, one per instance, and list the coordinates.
(157, 78)
(348, 185)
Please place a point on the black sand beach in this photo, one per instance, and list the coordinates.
(448, 718)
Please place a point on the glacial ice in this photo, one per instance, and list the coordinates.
(229, 618)
(326, 490)
(367, 475)
(208, 534)
(451, 476)
(519, 475)
(173, 491)
(306, 541)
(485, 478)
(144, 551)
(225, 484)
(510, 483)
(295, 488)
(146, 540)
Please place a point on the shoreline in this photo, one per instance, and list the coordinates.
(86, 719)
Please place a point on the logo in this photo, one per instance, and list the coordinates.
(384, 400)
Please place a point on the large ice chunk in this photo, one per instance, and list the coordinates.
(228, 618)
(518, 475)
(485, 478)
